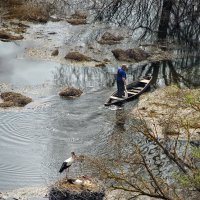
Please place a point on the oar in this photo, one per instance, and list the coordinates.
(126, 92)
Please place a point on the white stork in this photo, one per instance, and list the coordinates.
(67, 163)
(83, 181)
(75, 181)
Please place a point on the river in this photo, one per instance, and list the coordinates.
(35, 140)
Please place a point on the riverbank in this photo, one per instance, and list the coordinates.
(41, 193)
(43, 133)
(175, 114)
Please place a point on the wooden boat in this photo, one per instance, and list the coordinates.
(134, 89)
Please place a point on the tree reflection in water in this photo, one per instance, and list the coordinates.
(183, 71)
(87, 78)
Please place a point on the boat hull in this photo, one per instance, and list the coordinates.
(134, 90)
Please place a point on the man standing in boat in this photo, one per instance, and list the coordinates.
(121, 80)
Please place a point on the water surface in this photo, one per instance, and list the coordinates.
(35, 140)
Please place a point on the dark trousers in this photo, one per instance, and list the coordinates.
(120, 88)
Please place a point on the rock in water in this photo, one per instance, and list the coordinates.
(70, 92)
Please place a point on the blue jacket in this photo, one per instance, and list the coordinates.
(121, 74)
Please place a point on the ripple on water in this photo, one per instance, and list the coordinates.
(15, 127)
(43, 104)
(18, 174)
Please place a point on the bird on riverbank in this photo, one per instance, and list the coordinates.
(75, 181)
(82, 181)
(67, 163)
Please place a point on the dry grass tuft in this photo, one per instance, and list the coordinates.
(129, 55)
(70, 92)
(110, 39)
(14, 99)
(77, 56)
(101, 65)
(7, 36)
(77, 18)
(26, 11)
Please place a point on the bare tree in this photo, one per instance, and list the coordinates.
(179, 19)
(136, 171)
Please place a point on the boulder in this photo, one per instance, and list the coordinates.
(110, 39)
(70, 92)
(129, 55)
(14, 99)
(91, 189)
(77, 56)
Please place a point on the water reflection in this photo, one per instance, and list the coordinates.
(120, 120)
(88, 78)
(183, 71)
(36, 139)
(116, 136)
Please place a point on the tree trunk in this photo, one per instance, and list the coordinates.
(164, 19)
